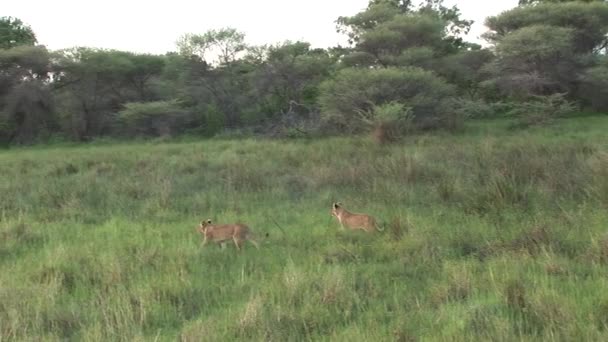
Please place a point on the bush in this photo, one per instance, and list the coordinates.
(5, 129)
(535, 60)
(594, 86)
(542, 109)
(476, 109)
(28, 115)
(390, 120)
(356, 91)
(160, 118)
(588, 20)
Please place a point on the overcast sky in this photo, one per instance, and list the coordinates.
(153, 26)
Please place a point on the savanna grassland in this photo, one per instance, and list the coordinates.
(492, 233)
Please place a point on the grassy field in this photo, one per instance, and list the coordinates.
(490, 234)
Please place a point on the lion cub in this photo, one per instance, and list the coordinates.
(354, 221)
(220, 233)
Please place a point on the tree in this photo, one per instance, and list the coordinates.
(26, 110)
(534, 2)
(13, 32)
(144, 70)
(594, 85)
(536, 60)
(291, 73)
(589, 22)
(94, 84)
(542, 49)
(385, 20)
(465, 69)
(348, 101)
(155, 118)
(25, 104)
(28, 114)
(217, 80)
(388, 41)
(221, 95)
(225, 43)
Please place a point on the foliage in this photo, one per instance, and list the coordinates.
(159, 118)
(390, 121)
(28, 115)
(543, 49)
(13, 33)
(403, 54)
(589, 22)
(385, 18)
(391, 33)
(354, 91)
(534, 2)
(535, 60)
(474, 108)
(594, 86)
(466, 69)
(226, 43)
(94, 84)
(26, 106)
(391, 112)
(227, 90)
(291, 73)
(399, 34)
(542, 109)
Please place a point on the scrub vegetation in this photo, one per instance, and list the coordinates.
(486, 168)
(492, 233)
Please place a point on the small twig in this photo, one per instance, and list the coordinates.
(301, 131)
(276, 224)
(352, 255)
(364, 117)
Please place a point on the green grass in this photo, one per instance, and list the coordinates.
(490, 234)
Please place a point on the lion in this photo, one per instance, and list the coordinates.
(354, 221)
(220, 233)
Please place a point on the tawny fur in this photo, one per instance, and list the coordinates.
(353, 221)
(220, 233)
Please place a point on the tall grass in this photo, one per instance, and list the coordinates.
(490, 234)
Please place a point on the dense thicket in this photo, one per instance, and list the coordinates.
(404, 62)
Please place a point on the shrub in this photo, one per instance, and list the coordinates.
(535, 60)
(356, 91)
(159, 118)
(5, 129)
(476, 109)
(594, 86)
(389, 121)
(542, 109)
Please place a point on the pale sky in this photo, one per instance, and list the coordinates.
(153, 26)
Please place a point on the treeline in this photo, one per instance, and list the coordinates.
(407, 67)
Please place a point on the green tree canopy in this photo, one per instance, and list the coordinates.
(589, 22)
(224, 44)
(13, 32)
(26, 106)
(349, 99)
(534, 2)
(396, 33)
(536, 59)
(95, 83)
(291, 73)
